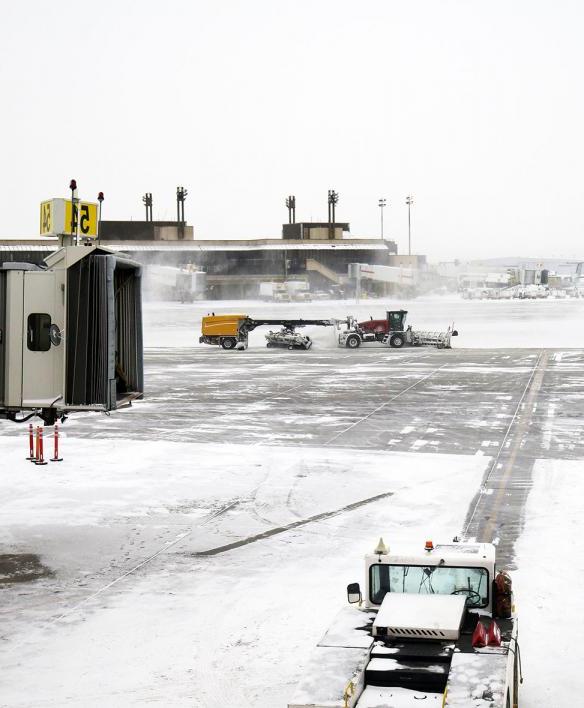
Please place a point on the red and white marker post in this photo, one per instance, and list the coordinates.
(40, 458)
(31, 455)
(55, 457)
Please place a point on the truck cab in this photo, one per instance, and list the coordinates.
(394, 322)
(434, 623)
(444, 569)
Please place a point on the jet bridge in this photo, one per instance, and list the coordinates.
(70, 334)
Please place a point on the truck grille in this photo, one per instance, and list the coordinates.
(410, 633)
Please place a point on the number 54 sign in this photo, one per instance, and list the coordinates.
(59, 217)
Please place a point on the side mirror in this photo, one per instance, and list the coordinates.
(353, 593)
(454, 333)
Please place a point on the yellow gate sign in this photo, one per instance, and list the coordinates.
(47, 218)
(83, 222)
(58, 217)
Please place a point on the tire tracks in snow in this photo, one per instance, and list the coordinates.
(104, 588)
(288, 527)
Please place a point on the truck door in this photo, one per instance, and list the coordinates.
(42, 351)
(396, 319)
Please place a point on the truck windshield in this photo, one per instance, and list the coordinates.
(472, 583)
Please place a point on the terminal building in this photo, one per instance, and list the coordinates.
(314, 253)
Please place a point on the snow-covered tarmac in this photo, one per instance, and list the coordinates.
(192, 550)
(185, 628)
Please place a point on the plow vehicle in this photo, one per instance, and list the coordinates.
(434, 628)
(231, 331)
(392, 332)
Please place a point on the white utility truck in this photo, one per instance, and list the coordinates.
(433, 628)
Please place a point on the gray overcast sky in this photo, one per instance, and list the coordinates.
(477, 108)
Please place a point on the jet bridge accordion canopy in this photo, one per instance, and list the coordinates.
(104, 324)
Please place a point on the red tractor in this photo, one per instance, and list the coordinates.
(392, 332)
(376, 330)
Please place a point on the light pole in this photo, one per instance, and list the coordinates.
(100, 199)
(291, 206)
(333, 200)
(181, 195)
(147, 201)
(409, 202)
(74, 231)
(382, 203)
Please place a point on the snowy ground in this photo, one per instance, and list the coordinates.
(492, 324)
(191, 629)
(549, 585)
(190, 551)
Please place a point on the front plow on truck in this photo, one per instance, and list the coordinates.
(433, 629)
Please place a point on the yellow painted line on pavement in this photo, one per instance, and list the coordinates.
(524, 420)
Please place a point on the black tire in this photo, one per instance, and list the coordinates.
(269, 345)
(353, 341)
(228, 343)
(397, 341)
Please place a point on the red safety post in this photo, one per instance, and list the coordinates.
(56, 457)
(30, 442)
(40, 451)
(37, 444)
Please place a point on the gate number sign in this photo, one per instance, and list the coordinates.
(59, 217)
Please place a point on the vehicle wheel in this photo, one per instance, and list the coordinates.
(290, 346)
(269, 345)
(228, 343)
(397, 341)
(353, 341)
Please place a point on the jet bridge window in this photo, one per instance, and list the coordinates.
(472, 583)
(39, 332)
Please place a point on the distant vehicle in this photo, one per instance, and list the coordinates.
(183, 284)
(434, 627)
(476, 293)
